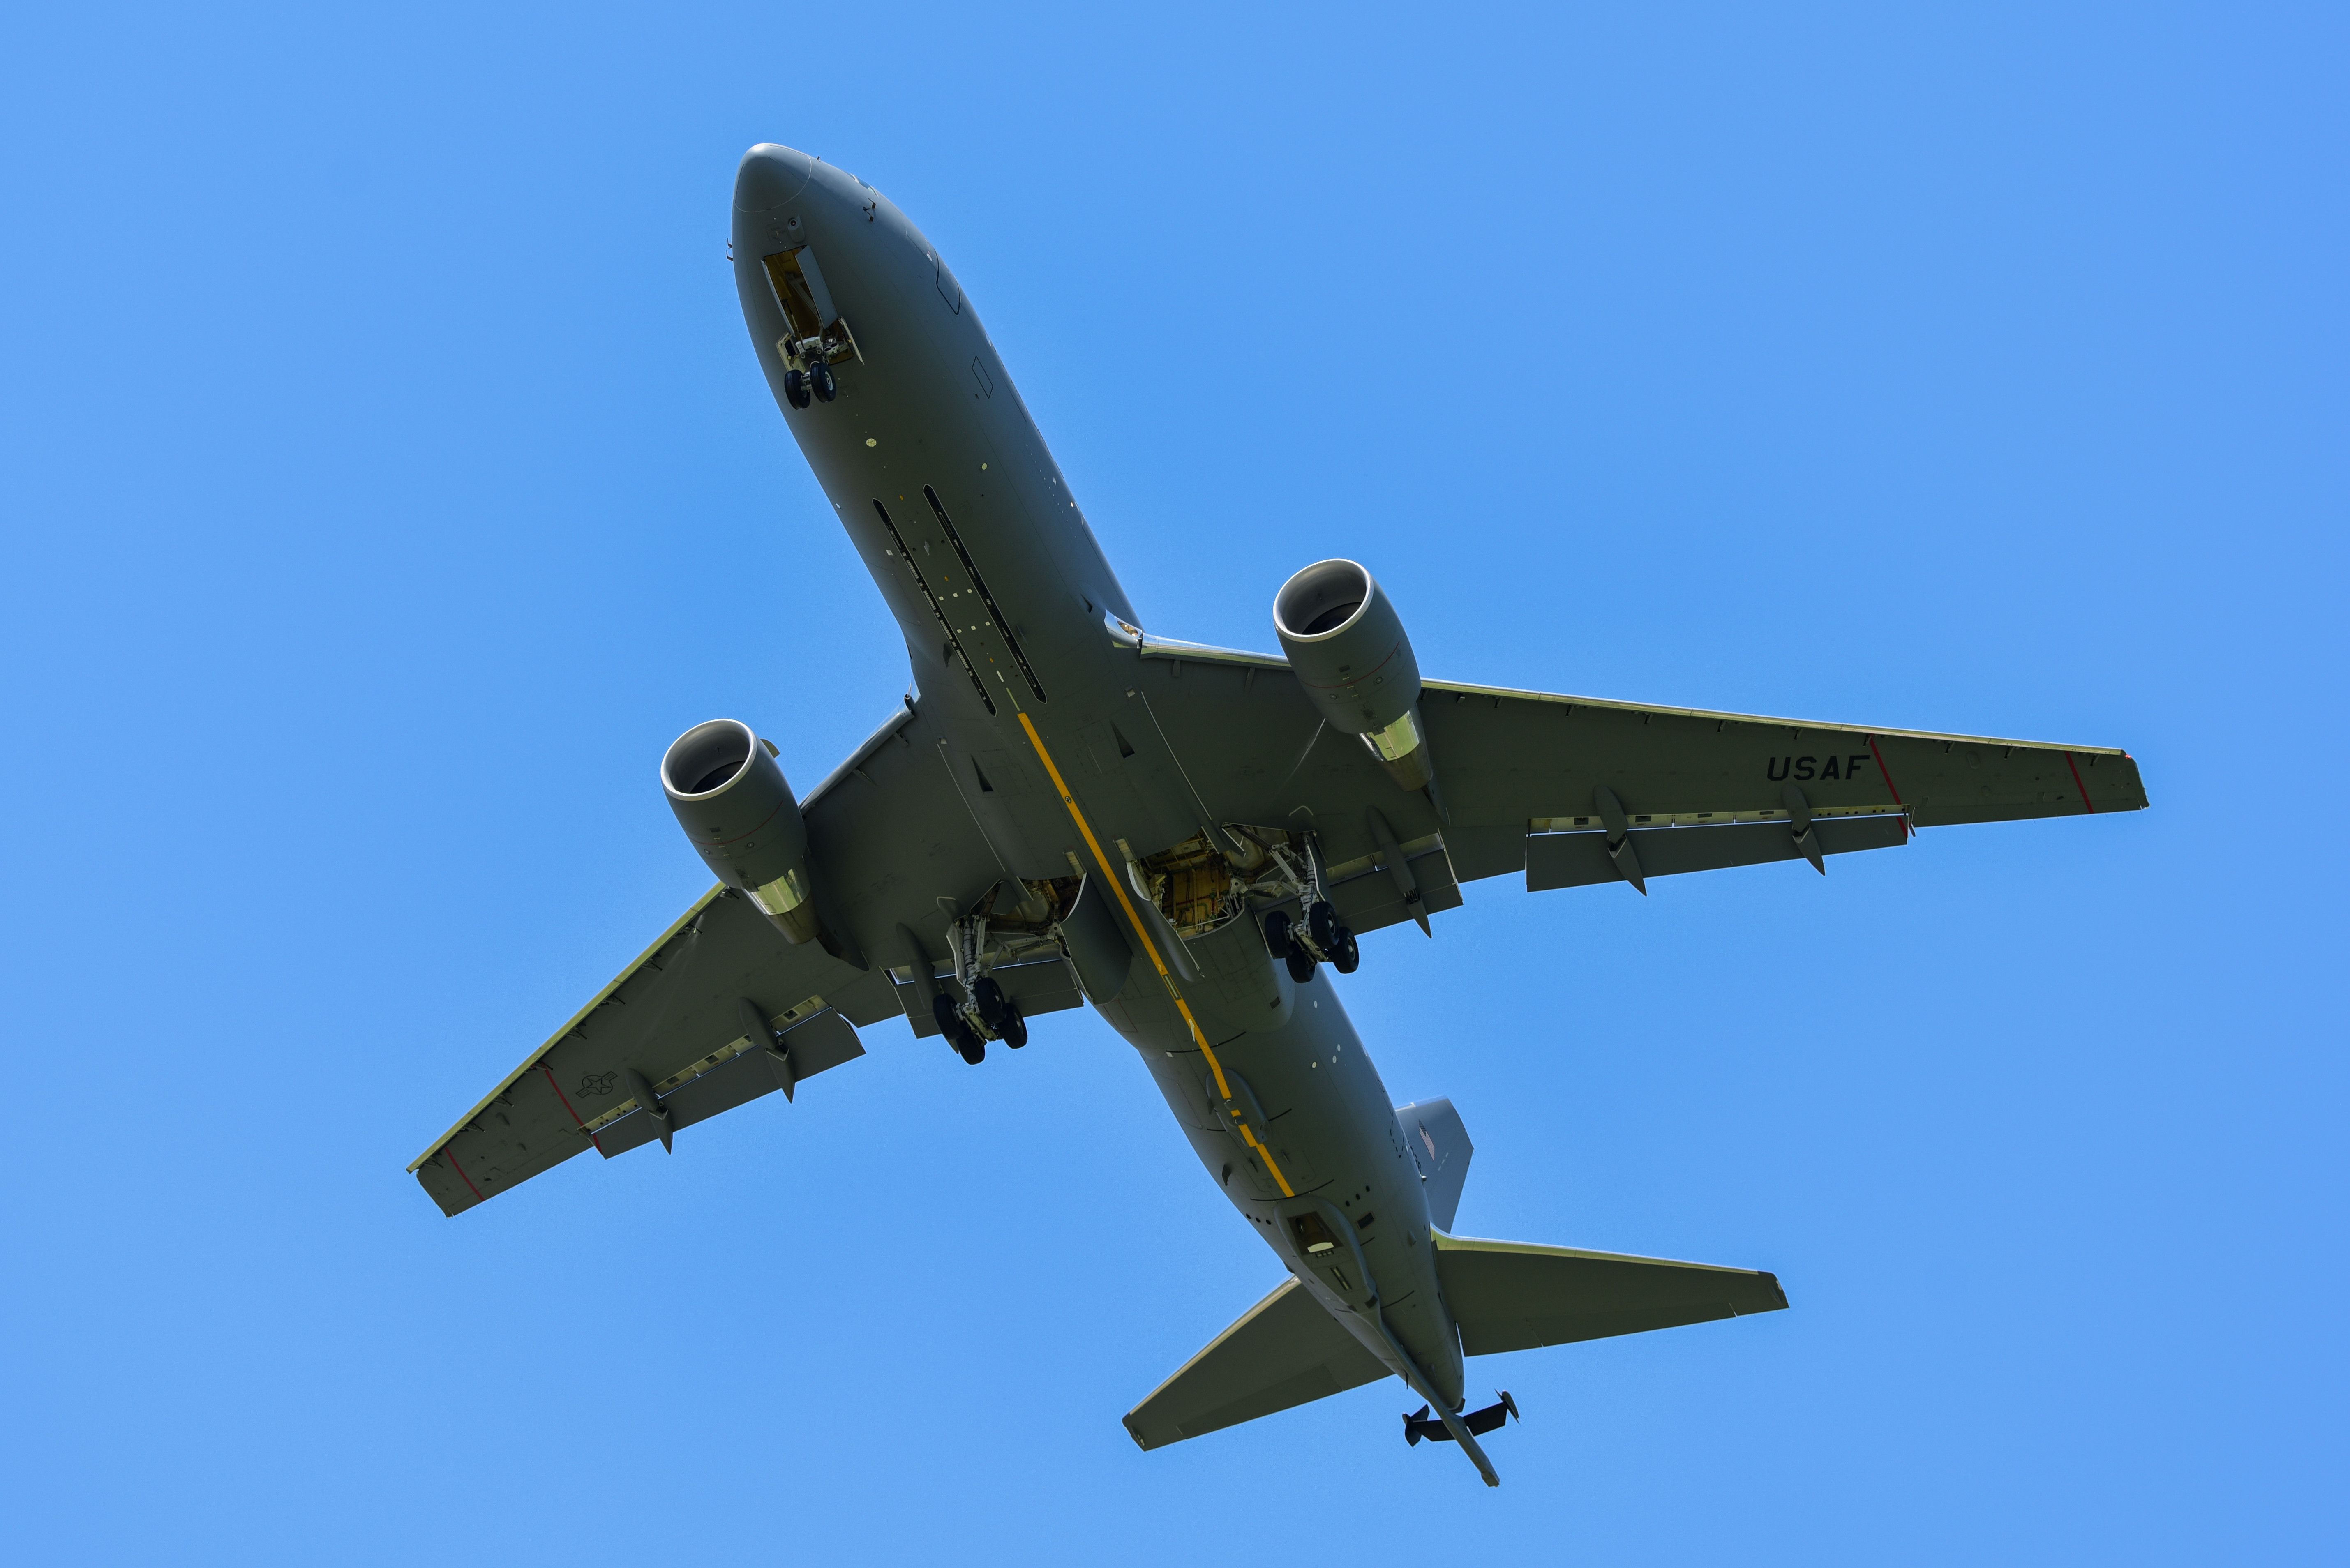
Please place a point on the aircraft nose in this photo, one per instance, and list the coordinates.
(770, 176)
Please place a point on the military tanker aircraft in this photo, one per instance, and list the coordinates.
(1069, 807)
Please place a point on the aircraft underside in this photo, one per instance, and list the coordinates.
(1195, 841)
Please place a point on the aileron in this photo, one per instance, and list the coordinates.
(504, 1091)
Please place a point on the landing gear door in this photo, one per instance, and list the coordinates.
(815, 325)
(819, 295)
(799, 289)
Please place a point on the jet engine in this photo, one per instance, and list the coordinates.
(730, 798)
(1346, 644)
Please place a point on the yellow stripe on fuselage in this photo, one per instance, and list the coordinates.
(1166, 977)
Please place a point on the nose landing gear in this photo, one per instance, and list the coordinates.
(808, 361)
(816, 382)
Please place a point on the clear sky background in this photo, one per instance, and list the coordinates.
(387, 479)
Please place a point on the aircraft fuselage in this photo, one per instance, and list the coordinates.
(950, 495)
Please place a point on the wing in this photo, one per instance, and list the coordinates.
(1510, 1296)
(1283, 1351)
(1558, 787)
(669, 1017)
(888, 837)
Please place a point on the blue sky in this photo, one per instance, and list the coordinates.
(388, 480)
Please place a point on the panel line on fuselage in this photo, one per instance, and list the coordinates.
(1118, 886)
(970, 570)
(937, 609)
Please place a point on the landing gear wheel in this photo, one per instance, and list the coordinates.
(795, 389)
(821, 384)
(1322, 926)
(968, 1043)
(1013, 1028)
(1300, 964)
(1277, 939)
(949, 1021)
(988, 996)
(1348, 957)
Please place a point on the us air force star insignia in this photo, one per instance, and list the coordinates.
(597, 1083)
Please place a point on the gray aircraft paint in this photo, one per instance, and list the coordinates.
(913, 414)
(1050, 738)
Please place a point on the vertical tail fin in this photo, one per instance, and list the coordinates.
(1439, 1146)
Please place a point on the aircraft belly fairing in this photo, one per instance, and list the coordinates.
(1190, 839)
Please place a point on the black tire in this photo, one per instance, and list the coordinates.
(973, 1049)
(821, 384)
(988, 996)
(1300, 964)
(949, 1021)
(795, 389)
(1014, 1028)
(1349, 957)
(1322, 925)
(1277, 939)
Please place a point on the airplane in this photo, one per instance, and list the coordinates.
(1068, 809)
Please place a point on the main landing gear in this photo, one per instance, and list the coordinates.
(1322, 939)
(998, 1013)
(998, 1017)
(985, 1013)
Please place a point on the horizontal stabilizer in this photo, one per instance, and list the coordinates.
(1284, 1351)
(1510, 1296)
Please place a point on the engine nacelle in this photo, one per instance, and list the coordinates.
(1348, 646)
(730, 798)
